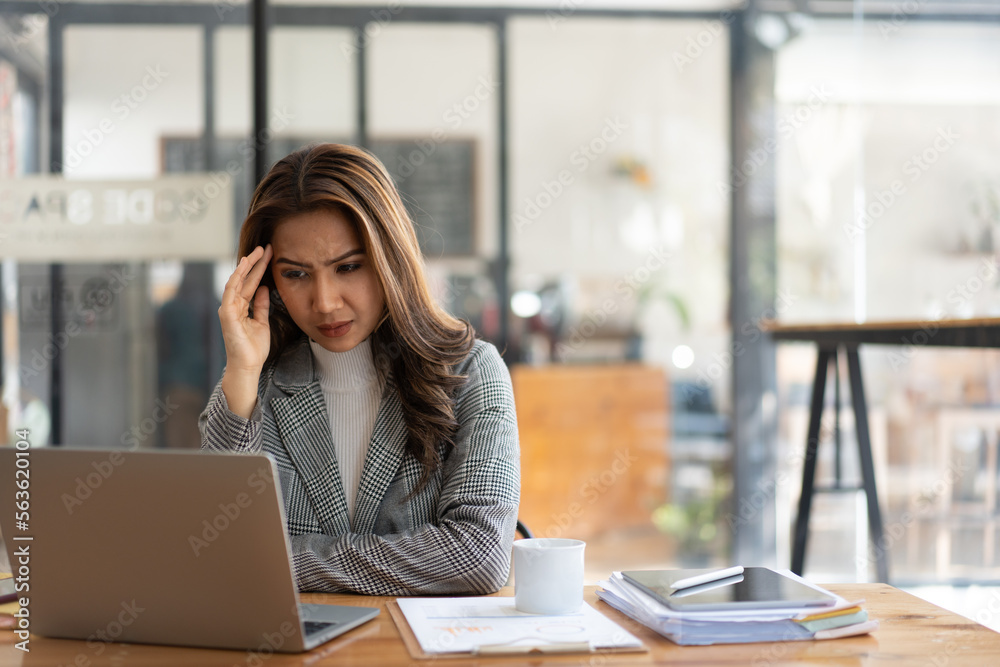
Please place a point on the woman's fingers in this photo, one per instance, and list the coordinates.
(242, 284)
(257, 269)
(253, 270)
(247, 338)
(232, 287)
(262, 305)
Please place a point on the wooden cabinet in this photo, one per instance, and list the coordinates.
(594, 447)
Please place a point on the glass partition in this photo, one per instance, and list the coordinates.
(887, 195)
(433, 121)
(601, 166)
(120, 353)
(619, 237)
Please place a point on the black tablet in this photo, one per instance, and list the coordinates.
(755, 588)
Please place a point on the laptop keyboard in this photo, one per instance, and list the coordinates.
(312, 627)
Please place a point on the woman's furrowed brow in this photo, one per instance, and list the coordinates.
(349, 253)
(285, 260)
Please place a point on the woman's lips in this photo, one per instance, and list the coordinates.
(335, 330)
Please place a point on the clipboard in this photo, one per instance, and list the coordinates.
(417, 651)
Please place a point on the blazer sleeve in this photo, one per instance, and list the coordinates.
(224, 431)
(467, 549)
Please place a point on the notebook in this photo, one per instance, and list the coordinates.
(162, 547)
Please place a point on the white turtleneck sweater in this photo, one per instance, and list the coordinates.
(352, 390)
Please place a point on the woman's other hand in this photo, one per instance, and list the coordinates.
(247, 339)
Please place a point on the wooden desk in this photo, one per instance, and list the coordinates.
(912, 632)
(846, 337)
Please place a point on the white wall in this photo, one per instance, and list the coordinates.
(310, 78)
(126, 87)
(623, 90)
(440, 80)
(916, 107)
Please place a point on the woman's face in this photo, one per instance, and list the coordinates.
(325, 279)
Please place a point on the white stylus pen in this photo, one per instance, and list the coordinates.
(707, 577)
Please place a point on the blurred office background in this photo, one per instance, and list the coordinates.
(617, 194)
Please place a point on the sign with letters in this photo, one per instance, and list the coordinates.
(182, 216)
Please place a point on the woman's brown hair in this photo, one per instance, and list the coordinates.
(418, 342)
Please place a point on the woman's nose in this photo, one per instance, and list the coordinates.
(327, 297)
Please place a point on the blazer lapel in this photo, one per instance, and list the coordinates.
(385, 452)
(304, 426)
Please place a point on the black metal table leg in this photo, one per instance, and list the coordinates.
(879, 546)
(809, 464)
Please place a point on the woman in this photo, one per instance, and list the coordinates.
(393, 428)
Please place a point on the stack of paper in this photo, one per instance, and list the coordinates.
(841, 619)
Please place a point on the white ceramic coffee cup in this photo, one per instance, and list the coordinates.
(548, 575)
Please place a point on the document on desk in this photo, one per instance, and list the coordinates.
(488, 625)
(843, 618)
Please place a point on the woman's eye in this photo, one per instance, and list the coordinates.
(348, 268)
(293, 274)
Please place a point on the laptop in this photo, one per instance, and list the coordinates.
(160, 547)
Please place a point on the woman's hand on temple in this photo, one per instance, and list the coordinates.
(247, 339)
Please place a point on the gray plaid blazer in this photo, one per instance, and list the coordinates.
(452, 537)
